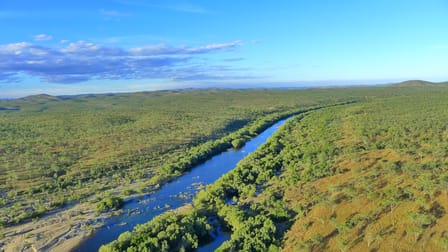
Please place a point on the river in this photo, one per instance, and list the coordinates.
(175, 194)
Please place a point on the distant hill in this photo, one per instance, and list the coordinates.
(416, 83)
(40, 98)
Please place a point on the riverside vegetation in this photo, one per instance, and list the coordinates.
(364, 176)
(98, 148)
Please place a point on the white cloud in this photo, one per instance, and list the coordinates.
(42, 37)
(82, 61)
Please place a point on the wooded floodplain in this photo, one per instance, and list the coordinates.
(59, 150)
(364, 176)
(354, 169)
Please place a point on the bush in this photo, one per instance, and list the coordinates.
(128, 192)
(111, 202)
(238, 143)
(167, 232)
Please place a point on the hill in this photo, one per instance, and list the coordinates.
(385, 187)
(40, 98)
(415, 83)
(367, 176)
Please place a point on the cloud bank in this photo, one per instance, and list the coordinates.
(83, 61)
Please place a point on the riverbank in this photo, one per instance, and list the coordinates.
(66, 228)
(61, 230)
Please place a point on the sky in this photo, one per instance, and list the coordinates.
(98, 46)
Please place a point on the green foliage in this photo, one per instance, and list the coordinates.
(393, 137)
(250, 199)
(254, 234)
(237, 143)
(61, 149)
(128, 192)
(108, 203)
(168, 232)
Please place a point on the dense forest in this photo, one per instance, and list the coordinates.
(59, 150)
(364, 176)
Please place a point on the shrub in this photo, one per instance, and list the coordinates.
(237, 143)
(108, 203)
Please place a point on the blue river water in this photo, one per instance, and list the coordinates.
(175, 194)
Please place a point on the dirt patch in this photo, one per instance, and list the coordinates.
(58, 231)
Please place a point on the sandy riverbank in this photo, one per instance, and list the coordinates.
(59, 231)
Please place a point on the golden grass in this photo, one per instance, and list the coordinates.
(358, 192)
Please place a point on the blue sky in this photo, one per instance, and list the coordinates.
(70, 47)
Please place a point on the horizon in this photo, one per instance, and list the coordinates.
(279, 85)
(132, 45)
(316, 85)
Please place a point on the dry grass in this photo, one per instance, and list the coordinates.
(347, 211)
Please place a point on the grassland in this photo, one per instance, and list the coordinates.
(386, 188)
(367, 176)
(56, 150)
